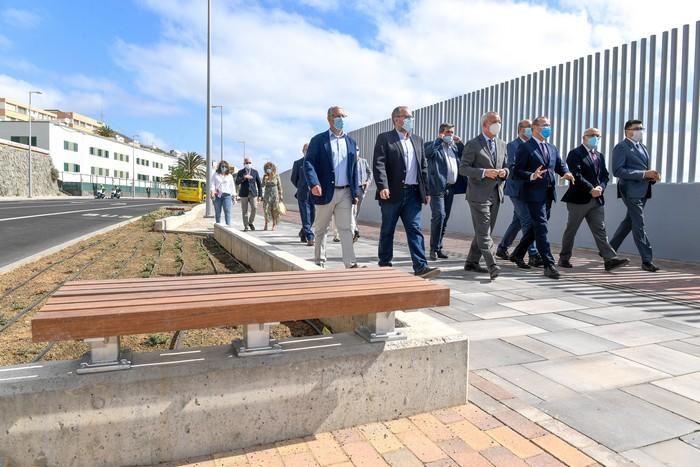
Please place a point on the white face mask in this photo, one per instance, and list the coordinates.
(637, 136)
(248, 166)
(495, 128)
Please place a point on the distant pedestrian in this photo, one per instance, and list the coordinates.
(364, 178)
(272, 195)
(306, 208)
(222, 191)
(401, 175)
(249, 190)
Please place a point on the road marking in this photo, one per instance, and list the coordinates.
(79, 210)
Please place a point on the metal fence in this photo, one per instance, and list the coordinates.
(643, 79)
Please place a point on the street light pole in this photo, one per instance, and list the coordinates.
(29, 113)
(221, 118)
(208, 207)
(133, 166)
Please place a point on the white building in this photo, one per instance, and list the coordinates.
(85, 160)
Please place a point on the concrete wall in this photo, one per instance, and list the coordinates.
(14, 175)
(177, 405)
(671, 217)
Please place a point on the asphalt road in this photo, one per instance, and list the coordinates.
(28, 227)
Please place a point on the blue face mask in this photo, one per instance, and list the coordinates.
(546, 132)
(338, 122)
(408, 124)
(448, 139)
(528, 132)
(593, 141)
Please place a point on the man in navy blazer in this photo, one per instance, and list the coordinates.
(536, 162)
(584, 200)
(330, 168)
(249, 190)
(443, 155)
(631, 165)
(521, 216)
(306, 209)
(401, 175)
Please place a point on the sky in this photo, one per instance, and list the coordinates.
(140, 65)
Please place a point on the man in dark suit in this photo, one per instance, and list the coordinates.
(330, 168)
(631, 165)
(484, 162)
(536, 162)
(443, 157)
(249, 190)
(306, 209)
(401, 175)
(584, 200)
(521, 216)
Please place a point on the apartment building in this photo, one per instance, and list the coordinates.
(15, 111)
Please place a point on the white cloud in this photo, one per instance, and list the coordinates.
(5, 43)
(322, 5)
(21, 18)
(147, 138)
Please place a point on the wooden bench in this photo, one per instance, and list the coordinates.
(101, 311)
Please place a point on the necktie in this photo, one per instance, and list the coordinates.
(642, 152)
(594, 158)
(492, 150)
(545, 153)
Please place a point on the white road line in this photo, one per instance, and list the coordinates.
(73, 212)
(25, 206)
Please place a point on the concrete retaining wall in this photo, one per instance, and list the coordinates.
(176, 405)
(173, 222)
(14, 175)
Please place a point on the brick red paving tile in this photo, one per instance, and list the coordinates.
(432, 427)
(402, 458)
(363, 453)
(564, 451)
(478, 417)
(400, 425)
(489, 388)
(421, 446)
(473, 436)
(326, 450)
(300, 459)
(544, 460)
(380, 437)
(447, 416)
(348, 435)
(520, 424)
(264, 456)
(502, 457)
(515, 443)
(462, 453)
(442, 463)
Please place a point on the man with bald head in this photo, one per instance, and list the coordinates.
(249, 191)
(484, 162)
(584, 200)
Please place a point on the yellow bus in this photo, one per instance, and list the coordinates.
(191, 191)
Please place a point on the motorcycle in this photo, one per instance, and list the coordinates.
(116, 194)
(100, 194)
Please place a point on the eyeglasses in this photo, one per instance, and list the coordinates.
(404, 116)
(637, 128)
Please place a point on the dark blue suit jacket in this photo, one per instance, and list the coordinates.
(246, 188)
(319, 168)
(513, 187)
(527, 159)
(437, 168)
(299, 180)
(629, 166)
(587, 177)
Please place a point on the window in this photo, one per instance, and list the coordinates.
(69, 146)
(75, 168)
(23, 140)
(142, 177)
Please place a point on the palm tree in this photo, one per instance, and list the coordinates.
(192, 165)
(174, 176)
(106, 131)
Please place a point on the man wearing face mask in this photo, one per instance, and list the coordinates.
(443, 156)
(401, 176)
(584, 200)
(330, 167)
(521, 216)
(306, 208)
(484, 162)
(250, 189)
(536, 162)
(631, 165)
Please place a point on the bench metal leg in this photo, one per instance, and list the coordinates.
(380, 328)
(256, 341)
(104, 355)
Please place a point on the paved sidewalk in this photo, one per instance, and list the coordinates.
(608, 362)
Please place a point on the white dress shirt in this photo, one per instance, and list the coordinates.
(339, 147)
(409, 158)
(451, 159)
(223, 184)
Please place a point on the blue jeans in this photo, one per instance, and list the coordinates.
(440, 206)
(521, 222)
(307, 212)
(408, 210)
(539, 214)
(223, 201)
(634, 222)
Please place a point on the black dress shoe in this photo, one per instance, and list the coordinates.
(252, 227)
(494, 271)
(565, 263)
(476, 267)
(356, 236)
(615, 263)
(551, 272)
(387, 265)
(536, 261)
(428, 272)
(310, 243)
(649, 267)
(433, 256)
(502, 253)
(441, 255)
(520, 263)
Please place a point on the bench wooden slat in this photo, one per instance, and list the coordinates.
(177, 316)
(135, 295)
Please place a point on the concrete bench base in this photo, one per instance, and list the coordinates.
(176, 405)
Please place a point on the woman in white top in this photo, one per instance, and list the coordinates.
(222, 190)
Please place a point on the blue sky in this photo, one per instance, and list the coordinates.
(277, 65)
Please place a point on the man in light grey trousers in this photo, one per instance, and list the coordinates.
(484, 162)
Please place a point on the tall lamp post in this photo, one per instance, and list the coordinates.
(133, 166)
(209, 206)
(29, 113)
(221, 117)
